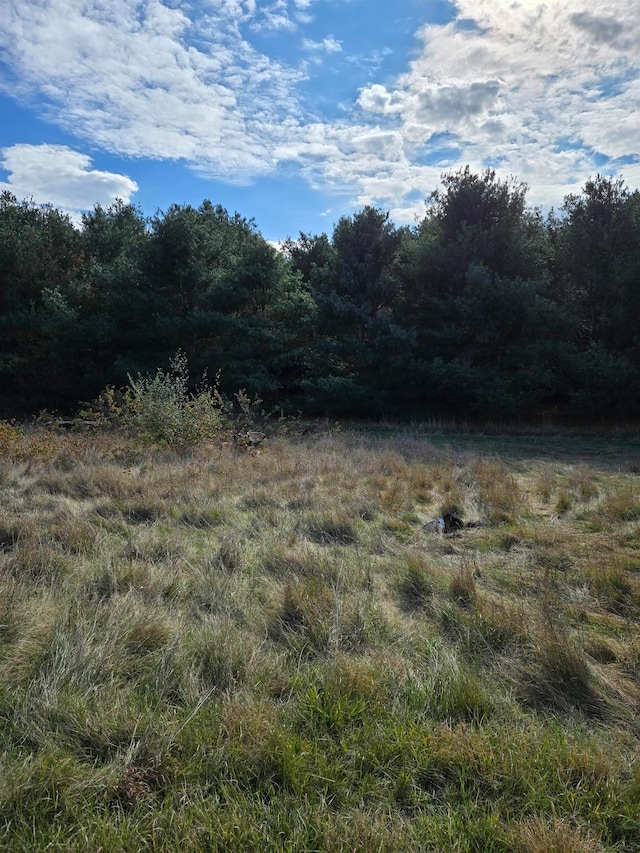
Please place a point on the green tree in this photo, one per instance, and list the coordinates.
(509, 340)
(40, 257)
(360, 343)
(229, 299)
(474, 284)
(116, 329)
(483, 220)
(596, 277)
(314, 258)
(597, 261)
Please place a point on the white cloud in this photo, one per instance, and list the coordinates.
(376, 99)
(535, 88)
(55, 174)
(600, 28)
(327, 45)
(280, 15)
(523, 92)
(408, 214)
(144, 80)
(526, 88)
(447, 105)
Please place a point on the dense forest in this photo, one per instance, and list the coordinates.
(484, 309)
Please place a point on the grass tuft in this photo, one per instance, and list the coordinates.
(301, 617)
(329, 528)
(415, 588)
(537, 835)
(462, 587)
(561, 679)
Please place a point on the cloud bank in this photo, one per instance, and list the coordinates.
(57, 175)
(548, 91)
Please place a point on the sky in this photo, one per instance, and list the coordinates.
(297, 112)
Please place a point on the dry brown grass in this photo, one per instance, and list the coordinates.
(536, 835)
(256, 627)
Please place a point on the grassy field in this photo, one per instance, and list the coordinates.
(227, 650)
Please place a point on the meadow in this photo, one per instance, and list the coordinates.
(226, 649)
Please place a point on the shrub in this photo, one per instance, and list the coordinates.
(9, 437)
(162, 409)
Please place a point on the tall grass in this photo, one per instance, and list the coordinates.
(212, 650)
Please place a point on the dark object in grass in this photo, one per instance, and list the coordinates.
(252, 438)
(452, 522)
(448, 522)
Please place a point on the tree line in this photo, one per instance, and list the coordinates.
(483, 309)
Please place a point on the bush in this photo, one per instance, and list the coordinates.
(161, 408)
(9, 437)
(164, 410)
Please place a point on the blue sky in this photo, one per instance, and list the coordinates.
(296, 112)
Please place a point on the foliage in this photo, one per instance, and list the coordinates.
(483, 309)
(162, 408)
(483, 220)
(38, 263)
(165, 407)
(9, 437)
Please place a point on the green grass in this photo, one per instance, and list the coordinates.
(215, 650)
